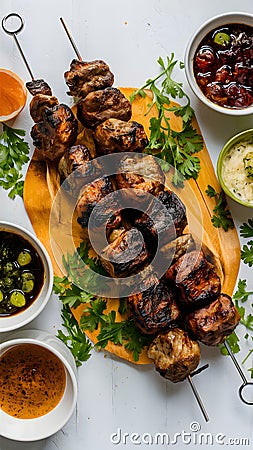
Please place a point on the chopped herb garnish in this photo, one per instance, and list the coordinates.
(222, 217)
(178, 148)
(13, 155)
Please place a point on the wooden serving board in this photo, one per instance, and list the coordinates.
(42, 183)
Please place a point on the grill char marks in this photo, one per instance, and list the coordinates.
(78, 168)
(165, 218)
(127, 254)
(114, 136)
(55, 133)
(101, 105)
(90, 195)
(154, 309)
(212, 324)
(85, 77)
(38, 87)
(38, 104)
(195, 279)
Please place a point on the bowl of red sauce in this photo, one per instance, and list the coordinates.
(219, 63)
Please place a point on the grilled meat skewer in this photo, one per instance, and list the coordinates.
(55, 133)
(127, 254)
(166, 221)
(85, 77)
(38, 87)
(101, 105)
(90, 196)
(38, 104)
(213, 323)
(154, 309)
(195, 278)
(175, 355)
(77, 168)
(114, 136)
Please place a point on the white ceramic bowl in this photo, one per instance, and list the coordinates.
(201, 32)
(43, 426)
(20, 319)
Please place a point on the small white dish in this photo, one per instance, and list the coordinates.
(48, 424)
(18, 320)
(211, 24)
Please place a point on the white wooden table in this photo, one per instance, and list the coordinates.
(117, 399)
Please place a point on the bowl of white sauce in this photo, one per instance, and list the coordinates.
(235, 168)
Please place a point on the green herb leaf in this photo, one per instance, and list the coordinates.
(13, 155)
(247, 253)
(75, 340)
(176, 148)
(222, 217)
(246, 229)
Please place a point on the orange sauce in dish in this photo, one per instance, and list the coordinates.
(32, 381)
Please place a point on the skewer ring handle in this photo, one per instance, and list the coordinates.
(18, 28)
(242, 392)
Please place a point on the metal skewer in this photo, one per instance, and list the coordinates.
(245, 382)
(195, 392)
(78, 54)
(14, 34)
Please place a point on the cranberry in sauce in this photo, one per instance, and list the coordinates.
(223, 66)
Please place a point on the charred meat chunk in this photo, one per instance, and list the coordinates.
(76, 168)
(154, 309)
(85, 77)
(99, 106)
(175, 355)
(114, 136)
(55, 133)
(38, 103)
(213, 323)
(195, 278)
(125, 255)
(90, 196)
(38, 87)
(164, 218)
(138, 171)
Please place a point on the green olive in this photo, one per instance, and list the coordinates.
(221, 38)
(27, 286)
(24, 258)
(17, 299)
(27, 276)
(1, 296)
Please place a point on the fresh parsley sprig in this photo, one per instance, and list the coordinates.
(178, 148)
(75, 340)
(95, 317)
(13, 155)
(123, 333)
(246, 231)
(222, 217)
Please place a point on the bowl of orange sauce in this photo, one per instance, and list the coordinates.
(13, 95)
(38, 385)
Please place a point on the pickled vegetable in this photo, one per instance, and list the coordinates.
(21, 273)
(17, 299)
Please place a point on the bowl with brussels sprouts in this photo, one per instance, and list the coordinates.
(26, 276)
